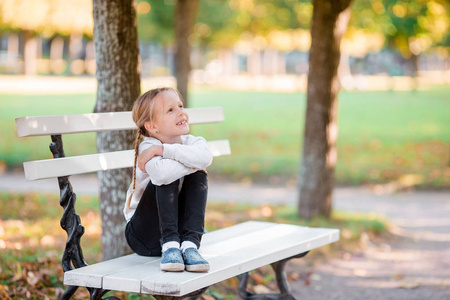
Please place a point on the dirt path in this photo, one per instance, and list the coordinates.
(414, 264)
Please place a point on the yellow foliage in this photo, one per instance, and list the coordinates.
(48, 16)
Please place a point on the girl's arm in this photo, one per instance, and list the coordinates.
(169, 162)
(164, 171)
(149, 153)
(161, 170)
(194, 153)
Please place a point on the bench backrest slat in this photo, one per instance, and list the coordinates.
(48, 168)
(95, 122)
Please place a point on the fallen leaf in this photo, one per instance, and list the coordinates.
(293, 276)
(257, 278)
(32, 279)
(261, 289)
(207, 297)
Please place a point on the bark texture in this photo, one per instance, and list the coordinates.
(316, 178)
(185, 14)
(118, 77)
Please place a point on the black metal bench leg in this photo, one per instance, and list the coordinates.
(191, 296)
(71, 223)
(278, 267)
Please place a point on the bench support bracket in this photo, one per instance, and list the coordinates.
(278, 267)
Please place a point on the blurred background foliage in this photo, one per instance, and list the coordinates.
(251, 57)
(46, 33)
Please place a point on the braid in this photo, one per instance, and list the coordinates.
(136, 150)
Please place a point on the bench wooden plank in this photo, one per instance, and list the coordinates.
(226, 258)
(92, 275)
(66, 166)
(230, 251)
(129, 280)
(95, 122)
(237, 261)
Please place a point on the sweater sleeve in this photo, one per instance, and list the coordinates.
(178, 160)
(194, 153)
(165, 170)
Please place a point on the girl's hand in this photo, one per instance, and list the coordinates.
(148, 154)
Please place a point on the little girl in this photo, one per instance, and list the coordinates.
(165, 207)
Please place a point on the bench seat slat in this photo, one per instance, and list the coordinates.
(235, 260)
(230, 253)
(140, 267)
(129, 280)
(92, 275)
(48, 168)
(226, 259)
(95, 122)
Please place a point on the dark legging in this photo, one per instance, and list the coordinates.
(166, 214)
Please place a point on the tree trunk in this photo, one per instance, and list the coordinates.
(29, 53)
(414, 61)
(281, 63)
(316, 178)
(230, 63)
(254, 63)
(13, 46)
(116, 52)
(185, 14)
(75, 48)
(57, 55)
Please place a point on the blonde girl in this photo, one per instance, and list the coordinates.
(165, 207)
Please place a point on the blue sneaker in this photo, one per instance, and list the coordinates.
(194, 262)
(172, 261)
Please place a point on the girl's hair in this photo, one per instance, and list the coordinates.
(142, 113)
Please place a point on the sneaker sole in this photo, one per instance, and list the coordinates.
(197, 268)
(172, 267)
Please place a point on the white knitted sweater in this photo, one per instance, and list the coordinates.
(178, 160)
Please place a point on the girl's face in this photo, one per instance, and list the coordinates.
(171, 120)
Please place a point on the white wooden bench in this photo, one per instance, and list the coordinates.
(231, 251)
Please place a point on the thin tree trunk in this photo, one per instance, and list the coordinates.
(29, 53)
(230, 64)
(116, 52)
(75, 47)
(414, 61)
(254, 63)
(281, 63)
(185, 14)
(57, 55)
(316, 179)
(13, 46)
(89, 60)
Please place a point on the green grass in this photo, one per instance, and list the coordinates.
(383, 135)
(14, 151)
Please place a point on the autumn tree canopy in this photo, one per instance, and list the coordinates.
(47, 17)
